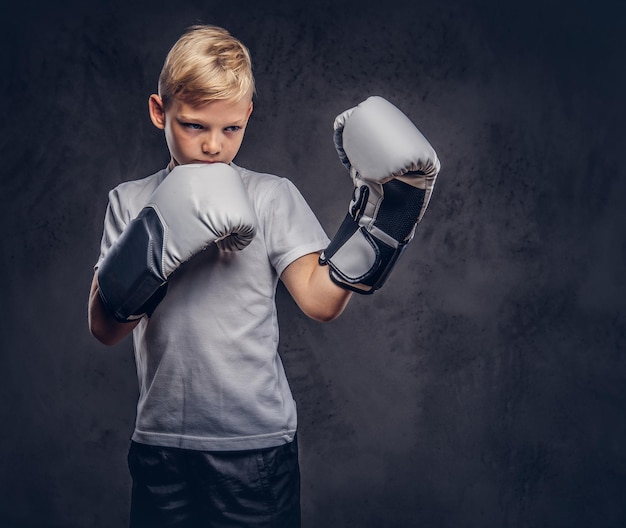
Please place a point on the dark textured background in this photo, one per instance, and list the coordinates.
(484, 386)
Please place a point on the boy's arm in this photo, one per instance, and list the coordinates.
(195, 206)
(313, 290)
(102, 325)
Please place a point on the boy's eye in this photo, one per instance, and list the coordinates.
(193, 126)
(233, 128)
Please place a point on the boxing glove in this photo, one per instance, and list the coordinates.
(196, 205)
(393, 168)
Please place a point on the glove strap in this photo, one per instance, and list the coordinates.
(363, 253)
(359, 261)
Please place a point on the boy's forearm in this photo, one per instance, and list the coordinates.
(327, 293)
(102, 325)
(313, 290)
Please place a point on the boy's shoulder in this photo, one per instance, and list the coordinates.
(130, 196)
(263, 178)
(138, 190)
(262, 183)
(142, 185)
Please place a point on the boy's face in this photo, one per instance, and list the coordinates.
(207, 133)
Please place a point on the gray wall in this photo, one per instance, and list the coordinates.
(483, 386)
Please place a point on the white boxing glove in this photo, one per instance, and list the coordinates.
(195, 206)
(393, 168)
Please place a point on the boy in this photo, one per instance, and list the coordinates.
(189, 263)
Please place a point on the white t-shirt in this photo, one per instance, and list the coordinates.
(209, 373)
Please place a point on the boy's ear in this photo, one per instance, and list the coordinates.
(157, 111)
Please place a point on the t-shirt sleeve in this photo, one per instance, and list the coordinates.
(291, 228)
(115, 220)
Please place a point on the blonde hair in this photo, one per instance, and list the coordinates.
(206, 64)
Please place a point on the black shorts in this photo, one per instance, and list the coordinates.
(191, 489)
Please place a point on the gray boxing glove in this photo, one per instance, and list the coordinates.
(195, 206)
(393, 168)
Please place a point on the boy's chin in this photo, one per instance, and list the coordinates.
(174, 162)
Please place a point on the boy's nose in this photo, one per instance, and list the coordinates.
(211, 144)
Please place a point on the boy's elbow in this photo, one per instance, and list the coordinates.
(101, 332)
(326, 318)
(325, 313)
(101, 324)
(103, 337)
(104, 328)
(322, 317)
(334, 303)
(105, 340)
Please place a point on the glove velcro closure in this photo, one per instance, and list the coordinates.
(130, 282)
(365, 250)
(400, 210)
(358, 260)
